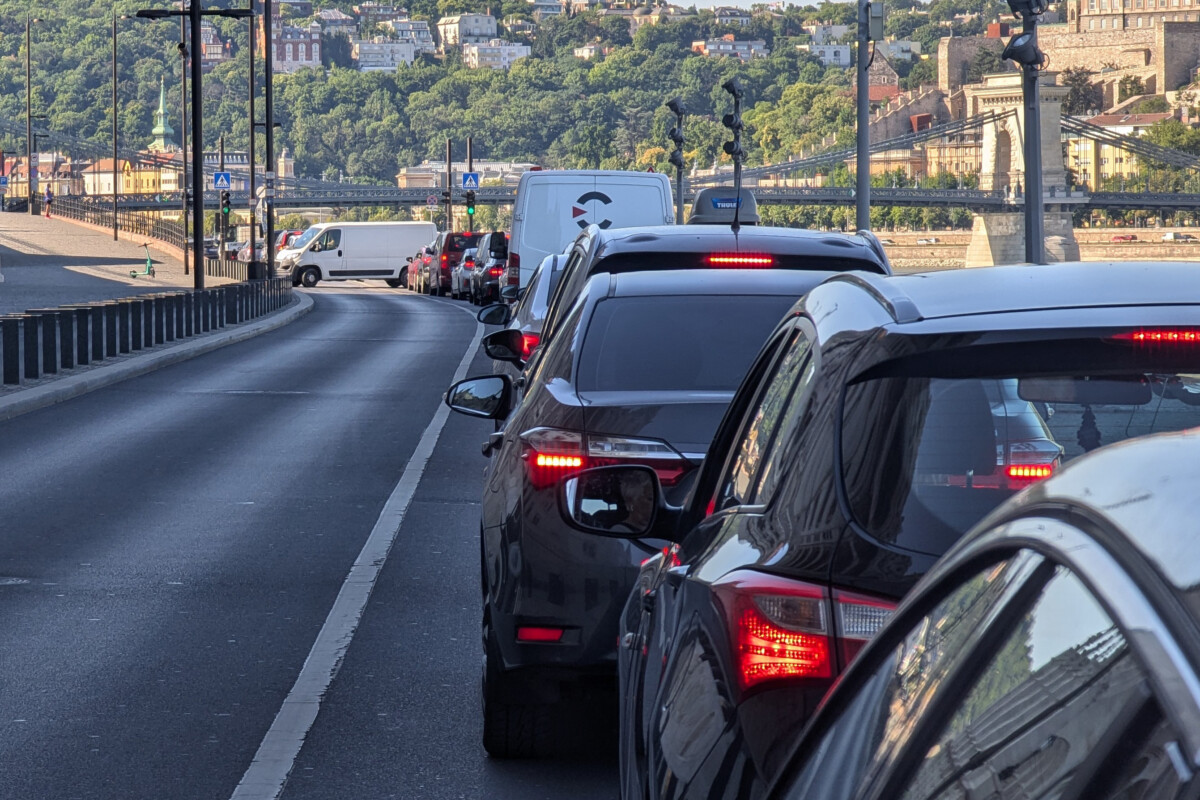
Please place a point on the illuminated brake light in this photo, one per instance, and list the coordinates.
(495, 271)
(784, 629)
(1161, 336)
(547, 460)
(736, 261)
(534, 634)
(1030, 472)
(552, 454)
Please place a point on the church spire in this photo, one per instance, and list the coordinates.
(163, 132)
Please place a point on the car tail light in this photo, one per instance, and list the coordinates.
(539, 634)
(553, 453)
(495, 271)
(514, 269)
(783, 629)
(1161, 336)
(659, 456)
(528, 342)
(740, 261)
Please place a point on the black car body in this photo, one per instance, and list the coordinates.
(639, 375)
(1053, 652)
(884, 418)
(490, 267)
(448, 249)
(530, 311)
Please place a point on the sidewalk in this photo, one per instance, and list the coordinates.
(52, 262)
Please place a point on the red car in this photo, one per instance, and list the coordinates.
(416, 269)
(285, 239)
(1125, 237)
(447, 252)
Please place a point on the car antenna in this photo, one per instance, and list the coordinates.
(734, 149)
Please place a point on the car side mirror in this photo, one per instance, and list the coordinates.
(408, 259)
(510, 293)
(622, 501)
(505, 345)
(495, 314)
(487, 398)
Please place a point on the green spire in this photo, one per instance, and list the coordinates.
(163, 131)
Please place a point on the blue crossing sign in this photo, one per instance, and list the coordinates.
(220, 180)
(470, 180)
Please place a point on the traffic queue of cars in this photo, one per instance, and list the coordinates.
(726, 467)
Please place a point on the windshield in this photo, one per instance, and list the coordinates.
(643, 344)
(306, 237)
(925, 457)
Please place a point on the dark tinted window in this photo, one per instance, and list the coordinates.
(757, 439)
(675, 343)
(864, 737)
(1039, 706)
(457, 242)
(925, 458)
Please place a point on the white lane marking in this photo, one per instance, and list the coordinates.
(268, 772)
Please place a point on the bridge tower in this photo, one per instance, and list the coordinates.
(999, 237)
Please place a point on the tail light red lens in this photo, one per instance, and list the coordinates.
(552, 454)
(740, 261)
(495, 271)
(1030, 472)
(539, 635)
(782, 629)
(514, 269)
(528, 342)
(1161, 336)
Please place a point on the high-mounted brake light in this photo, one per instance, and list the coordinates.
(740, 261)
(1030, 472)
(1161, 336)
(785, 629)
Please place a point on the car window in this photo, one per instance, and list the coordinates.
(841, 755)
(1039, 706)
(780, 456)
(669, 343)
(753, 444)
(562, 293)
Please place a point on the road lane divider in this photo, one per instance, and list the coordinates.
(268, 772)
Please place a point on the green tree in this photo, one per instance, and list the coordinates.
(1084, 96)
(1129, 86)
(336, 50)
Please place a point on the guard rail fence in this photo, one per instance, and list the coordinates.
(46, 341)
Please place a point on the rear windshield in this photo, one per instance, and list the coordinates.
(645, 262)
(926, 454)
(698, 343)
(457, 242)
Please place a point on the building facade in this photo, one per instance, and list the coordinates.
(466, 29)
(415, 31)
(727, 45)
(382, 55)
(294, 48)
(494, 54)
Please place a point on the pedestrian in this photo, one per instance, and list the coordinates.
(48, 199)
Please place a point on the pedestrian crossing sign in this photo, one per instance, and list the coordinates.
(221, 180)
(470, 180)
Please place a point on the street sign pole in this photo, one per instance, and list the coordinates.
(449, 188)
(470, 171)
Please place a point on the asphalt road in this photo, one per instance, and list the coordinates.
(172, 546)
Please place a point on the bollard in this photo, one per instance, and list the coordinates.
(160, 318)
(110, 328)
(189, 313)
(147, 307)
(10, 331)
(32, 347)
(123, 313)
(48, 322)
(135, 323)
(177, 305)
(214, 309)
(97, 313)
(66, 342)
(82, 329)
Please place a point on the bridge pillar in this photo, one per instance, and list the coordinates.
(999, 237)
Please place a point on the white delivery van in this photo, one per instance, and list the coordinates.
(553, 206)
(343, 251)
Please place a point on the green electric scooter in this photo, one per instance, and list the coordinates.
(133, 273)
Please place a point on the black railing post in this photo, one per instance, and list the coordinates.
(123, 312)
(82, 329)
(10, 331)
(33, 355)
(96, 311)
(66, 342)
(111, 328)
(135, 327)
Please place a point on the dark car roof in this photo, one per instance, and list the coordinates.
(721, 239)
(716, 281)
(1147, 489)
(995, 290)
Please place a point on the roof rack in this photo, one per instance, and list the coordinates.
(890, 296)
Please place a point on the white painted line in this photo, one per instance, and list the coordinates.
(268, 772)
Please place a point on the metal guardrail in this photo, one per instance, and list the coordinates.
(48, 341)
(99, 211)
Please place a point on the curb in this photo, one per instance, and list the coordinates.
(63, 389)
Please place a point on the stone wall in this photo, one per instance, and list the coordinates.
(954, 57)
(894, 119)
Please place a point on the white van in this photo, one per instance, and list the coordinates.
(553, 206)
(343, 251)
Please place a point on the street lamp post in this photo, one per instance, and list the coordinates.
(253, 221)
(268, 77)
(1023, 49)
(30, 172)
(114, 112)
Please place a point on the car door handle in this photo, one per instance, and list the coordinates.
(648, 598)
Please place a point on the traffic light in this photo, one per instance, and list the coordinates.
(445, 195)
(470, 202)
(734, 122)
(225, 203)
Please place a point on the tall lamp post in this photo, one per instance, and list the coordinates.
(1023, 49)
(870, 29)
(269, 97)
(250, 60)
(30, 171)
(114, 108)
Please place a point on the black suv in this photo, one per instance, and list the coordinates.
(884, 418)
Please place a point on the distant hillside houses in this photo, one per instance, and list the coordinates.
(463, 29)
(728, 46)
(493, 54)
